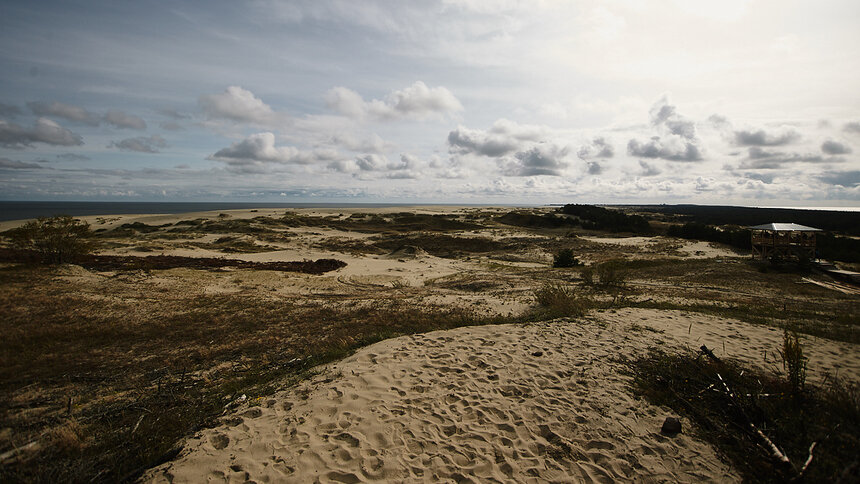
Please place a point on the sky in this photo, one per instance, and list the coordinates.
(738, 102)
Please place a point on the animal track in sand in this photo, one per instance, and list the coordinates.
(474, 404)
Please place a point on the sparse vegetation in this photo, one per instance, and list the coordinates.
(793, 361)
(557, 300)
(52, 240)
(728, 402)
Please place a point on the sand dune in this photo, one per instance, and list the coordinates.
(543, 402)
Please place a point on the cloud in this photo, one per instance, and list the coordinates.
(670, 148)
(760, 137)
(835, 148)
(371, 162)
(370, 144)
(171, 126)
(43, 131)
(852, 127)
(259, 150)
(758, 158)
(648, 169)
(6, 163)
(677, 139)
(120, 119)
(73, 157)
(65, 111)
(538, 160)
(172, 113)
(503, 137)
(415, 102)
(846, 179)
(142, 144)
(239, 105)
(594, 168)
(9, 110)
(598, 148)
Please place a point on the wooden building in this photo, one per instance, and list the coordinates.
(783, 241)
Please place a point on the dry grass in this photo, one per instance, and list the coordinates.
(695, 386)
(145, 357)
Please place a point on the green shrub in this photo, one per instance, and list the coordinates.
(565, 258)
(53, 240)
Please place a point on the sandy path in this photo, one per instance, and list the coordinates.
(509, 403)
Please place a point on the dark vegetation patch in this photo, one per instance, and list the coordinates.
(444, 245)
(393, 222)
(158, 262)
(598, 218)
(832, 220)
(793, 419)
(588, 217)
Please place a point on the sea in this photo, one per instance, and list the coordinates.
(29, 210)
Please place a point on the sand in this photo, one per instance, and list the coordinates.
(508, 403)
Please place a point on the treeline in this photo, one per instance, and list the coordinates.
(599, 218)
(830, 220)
(738, 238)
(588, 217)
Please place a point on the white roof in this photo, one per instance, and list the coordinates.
(785, 227)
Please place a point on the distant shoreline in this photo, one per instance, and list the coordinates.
(29, 210)
(19, 210)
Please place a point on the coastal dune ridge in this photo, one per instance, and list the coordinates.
(475, 373)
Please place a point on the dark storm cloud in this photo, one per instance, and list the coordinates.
(6, 163)
(846, 179)
(141, 144)
(9, 110)
(539, 160)
(761, 137)
(43, 131)
(852, 127)
(66, 111)
(835, 148)
(121, 119)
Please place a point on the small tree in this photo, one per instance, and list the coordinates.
(565, 258)
(53, 239)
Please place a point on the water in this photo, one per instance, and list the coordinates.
(28, 210)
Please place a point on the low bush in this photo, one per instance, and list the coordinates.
(565, 258)
(53, 240)
(557, 300)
